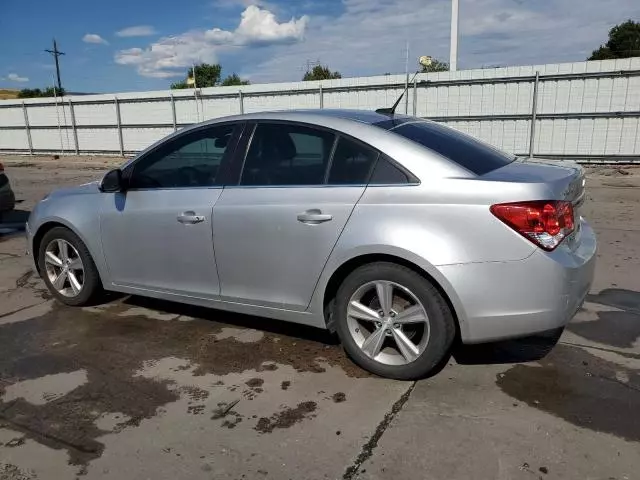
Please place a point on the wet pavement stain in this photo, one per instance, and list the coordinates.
(617, 329)
(286, 418)
(112, 349)
(621, 298)
(580, 388)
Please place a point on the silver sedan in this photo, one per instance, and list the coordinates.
(400, 234)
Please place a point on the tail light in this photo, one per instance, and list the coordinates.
(546, 223)
(1, 167)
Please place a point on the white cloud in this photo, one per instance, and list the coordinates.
(14, 77)
(137, 31)
(165, 58)
(94, 38)
(369, 37)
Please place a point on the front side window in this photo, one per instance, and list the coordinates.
(190, 160)
(282, 154)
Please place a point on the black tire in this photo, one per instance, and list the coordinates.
(92, 289)
(441, 321)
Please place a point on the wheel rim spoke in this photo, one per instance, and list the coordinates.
(75, 284)
(58, 282)
(406, 347)
(412, 314)
(76, 264)
(63, 252)
(373, 343)
(362, 312)
(384, 290)
(52, 259)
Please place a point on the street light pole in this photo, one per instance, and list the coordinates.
(453, 52)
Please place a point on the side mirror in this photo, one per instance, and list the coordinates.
(112, 181)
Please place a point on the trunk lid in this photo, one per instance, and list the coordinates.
(566, 180)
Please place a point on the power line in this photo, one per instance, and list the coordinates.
(56, 53)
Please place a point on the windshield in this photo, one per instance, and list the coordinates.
(466, 151)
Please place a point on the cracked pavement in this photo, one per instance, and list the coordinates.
(138, 388)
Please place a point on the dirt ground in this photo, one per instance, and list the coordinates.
(137, 388)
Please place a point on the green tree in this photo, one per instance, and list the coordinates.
(179, 85)
(320, 72)
(208, 75)
(37, 93)
(436, 66)
(234, 79)
(624, 42)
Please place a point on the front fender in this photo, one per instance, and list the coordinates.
(80, 215)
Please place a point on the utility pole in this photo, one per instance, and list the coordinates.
(56, 53)
(453, 52)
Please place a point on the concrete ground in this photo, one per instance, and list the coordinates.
(137, 389)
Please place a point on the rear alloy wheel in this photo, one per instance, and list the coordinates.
(393, 322)
(67, 268)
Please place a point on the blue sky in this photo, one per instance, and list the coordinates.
(142, 45)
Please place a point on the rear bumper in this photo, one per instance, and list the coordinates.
(501, 300)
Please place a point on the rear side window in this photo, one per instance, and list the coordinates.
(351, 164)
(466, 151)
(282, 154)
(386, 173)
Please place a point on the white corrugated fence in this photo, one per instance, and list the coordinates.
(586, 111)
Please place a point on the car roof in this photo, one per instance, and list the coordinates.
(362, 116)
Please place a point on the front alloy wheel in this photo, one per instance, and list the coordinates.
(64, 268)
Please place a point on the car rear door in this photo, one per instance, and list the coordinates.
(274, 231)
(158, 234)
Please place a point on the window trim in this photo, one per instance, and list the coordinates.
(241, 157)
(225, 163)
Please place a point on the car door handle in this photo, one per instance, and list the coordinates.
(314, 217)
(189, 218)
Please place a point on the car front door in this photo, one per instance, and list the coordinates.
(157, 235)
(274, 231)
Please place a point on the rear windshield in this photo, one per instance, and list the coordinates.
(472, 154)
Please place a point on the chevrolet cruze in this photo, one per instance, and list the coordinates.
(397, 233)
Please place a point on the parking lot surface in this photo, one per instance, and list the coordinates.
(137, 388)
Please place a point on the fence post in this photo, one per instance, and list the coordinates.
(415, 96)
(173, 113)
(534, 112)
(241, 101)
(73, 126)
(26, 126)
(119, 123)
(321, 97)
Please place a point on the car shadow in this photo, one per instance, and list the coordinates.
(519, 350)
(13, 222)
(264, 324)
(527, 349)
